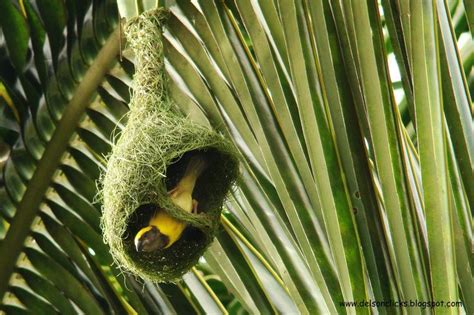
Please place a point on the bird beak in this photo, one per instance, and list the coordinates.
(138, 245)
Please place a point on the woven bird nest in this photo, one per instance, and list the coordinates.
(150, 158)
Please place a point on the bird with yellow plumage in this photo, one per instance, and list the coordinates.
(163, 230)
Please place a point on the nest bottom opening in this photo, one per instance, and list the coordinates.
(211, 189)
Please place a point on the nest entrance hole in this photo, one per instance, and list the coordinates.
(211, 188)
(140, 219)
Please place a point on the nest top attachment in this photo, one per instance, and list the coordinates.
(149, 160)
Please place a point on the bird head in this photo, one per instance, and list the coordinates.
(149, 239)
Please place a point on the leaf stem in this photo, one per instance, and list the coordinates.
(49, 162)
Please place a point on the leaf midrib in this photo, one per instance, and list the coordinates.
(49, 162)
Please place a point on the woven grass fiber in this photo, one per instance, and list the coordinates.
(148, 160)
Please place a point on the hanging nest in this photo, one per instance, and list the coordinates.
(150, 158)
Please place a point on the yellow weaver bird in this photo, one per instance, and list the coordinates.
(163, 230)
